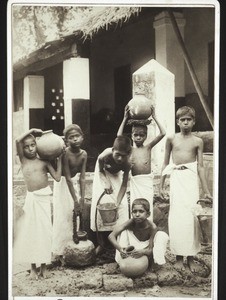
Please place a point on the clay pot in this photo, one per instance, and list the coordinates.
(133, 267)
(49, 145)
(79, 255)
(140, 107)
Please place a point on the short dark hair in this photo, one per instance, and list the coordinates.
(185, 110)
(70, 128)
(142, 201)
(139, 123)
(29, 136)
(122, 143)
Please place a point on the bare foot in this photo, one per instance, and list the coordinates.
(61, 259)
(43, 271)
(33, 275)
(193, 266)
(179, 265)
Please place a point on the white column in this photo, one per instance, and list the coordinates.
(76, 83)
(157, 84)
(33, 96)
(167, 49)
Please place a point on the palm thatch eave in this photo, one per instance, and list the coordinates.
(82, 28)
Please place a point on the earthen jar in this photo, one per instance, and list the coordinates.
(49, 145)
(133, 267)
(140, 107)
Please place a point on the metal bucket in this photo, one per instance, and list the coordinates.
(206, 228)
(108, 212)
(205, 221)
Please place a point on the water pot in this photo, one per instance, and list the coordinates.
(133, 267)
(140, 107)
(49, 145)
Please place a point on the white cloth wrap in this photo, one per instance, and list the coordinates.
(63, 205)
(184, 229)
(34, 229)
(98, 189)
(127, 238)
(141, 186)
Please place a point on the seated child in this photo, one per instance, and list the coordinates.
(141, 233)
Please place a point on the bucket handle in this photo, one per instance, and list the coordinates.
(97, 232)
(206, 201)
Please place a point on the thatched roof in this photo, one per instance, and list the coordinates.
(103, 17)
(76, 21)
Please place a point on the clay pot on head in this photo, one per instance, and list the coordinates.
(49, 145)
(133, 267)
(140, 107)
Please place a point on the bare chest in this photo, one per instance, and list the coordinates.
(30, 168)
(141, 156)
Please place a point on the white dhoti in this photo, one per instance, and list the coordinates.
(63, 205)
(141, 186)
(34, 230)
(127, 238)
(184, 229)
(98, 189)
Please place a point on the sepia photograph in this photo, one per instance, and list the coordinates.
(113, 124)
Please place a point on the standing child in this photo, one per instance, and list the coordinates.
(34, 235)
(141, 181)
(140, 233)
(65, 197)
(187, 165)
(111, 176)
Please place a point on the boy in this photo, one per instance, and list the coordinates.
(111, 176)
(187, 165)
(33, 242)
(140, 233)
(141, 181)
(65, 198)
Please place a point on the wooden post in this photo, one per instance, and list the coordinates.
(190, 68)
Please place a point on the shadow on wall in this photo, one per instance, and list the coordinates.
(103, 129)
(103, 122)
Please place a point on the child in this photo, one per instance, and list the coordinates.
(186, 167)
(141, 233)
(111, 176)
(65, 198)
(33, 242)
(141, 181)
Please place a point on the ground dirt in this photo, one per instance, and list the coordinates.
(90, 281)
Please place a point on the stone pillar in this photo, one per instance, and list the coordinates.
(167, 49)
(157, 84)
(33, 101)
(76, 84)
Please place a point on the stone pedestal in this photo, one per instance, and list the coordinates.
(157, 84)
(79, 255)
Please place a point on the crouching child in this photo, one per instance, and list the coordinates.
(142, 234)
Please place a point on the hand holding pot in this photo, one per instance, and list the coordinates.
(37, 131)
(124, 253)
(137, 253)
